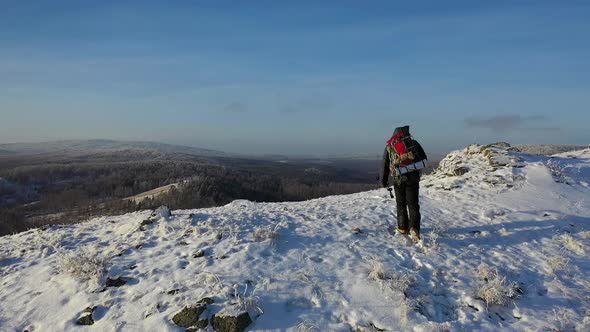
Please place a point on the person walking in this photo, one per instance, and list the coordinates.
(403, 160)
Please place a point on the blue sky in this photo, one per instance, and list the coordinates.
(301, 77)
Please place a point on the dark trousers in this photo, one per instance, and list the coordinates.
(407, 199)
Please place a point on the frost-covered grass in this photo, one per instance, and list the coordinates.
(83, 264)
(377, 271)
(307, 326)
(564, 320)
(248, 302)
(438, 230)
(558, 263)
(495, 289)
(267, 233)
(572, 244)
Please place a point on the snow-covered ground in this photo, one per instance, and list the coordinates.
(505, 244)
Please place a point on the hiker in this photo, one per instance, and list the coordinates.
(403, 160)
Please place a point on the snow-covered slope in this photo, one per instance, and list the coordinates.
(505, 243)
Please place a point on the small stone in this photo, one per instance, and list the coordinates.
(183, 243)
(173, 292)
(231, 323)
(357, 231)
(219, 236)
(199, 253)
(115, 282)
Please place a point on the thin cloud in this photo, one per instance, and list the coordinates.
(289, 109)
(235, 107)
(509, 122)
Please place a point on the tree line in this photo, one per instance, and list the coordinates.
(71, 191)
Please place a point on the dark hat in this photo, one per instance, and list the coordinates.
(403, 130)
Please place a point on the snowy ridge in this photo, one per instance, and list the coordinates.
(504, 247)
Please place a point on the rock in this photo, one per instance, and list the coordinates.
(460, 171)
(146, 222)
(183, 243)
(231, 323)
(201, 325)
(189, 317)
(199, 253)
(115, 282)
(86, 317)
(206, 300)
(161, 212)
(357, 231)
(173, 292)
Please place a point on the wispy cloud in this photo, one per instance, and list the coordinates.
(235, 107)
(510, 122)
(289, 109)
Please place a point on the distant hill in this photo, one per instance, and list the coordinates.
(87, 147)
(547, 149)
(6, 152)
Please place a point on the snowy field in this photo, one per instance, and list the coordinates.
(505, 244)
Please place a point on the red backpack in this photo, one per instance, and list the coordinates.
(404, 155)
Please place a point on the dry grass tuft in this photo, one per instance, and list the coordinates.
(495, 290)
(267, 233)
(83, 265)
(572, 244)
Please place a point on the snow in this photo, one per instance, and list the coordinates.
(520, 222)
(153, 194)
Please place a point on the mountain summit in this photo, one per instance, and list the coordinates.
(505, 243)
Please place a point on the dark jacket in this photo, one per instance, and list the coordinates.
(385, 171)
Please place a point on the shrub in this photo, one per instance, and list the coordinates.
(267, 233)
(377, 271)
(83, 265)
(495, 290)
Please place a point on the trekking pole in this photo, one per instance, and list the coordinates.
(390, 192)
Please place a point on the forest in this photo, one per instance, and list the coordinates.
(61, 190)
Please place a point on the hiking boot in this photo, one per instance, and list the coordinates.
(402, 231)
(415, 235)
